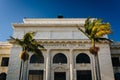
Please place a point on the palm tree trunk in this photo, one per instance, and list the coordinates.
(22, 70)
(26, 70)
(97, 69)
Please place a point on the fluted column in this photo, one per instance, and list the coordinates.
(71, 65)
(48, 65)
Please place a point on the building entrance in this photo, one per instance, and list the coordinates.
(36, 75)
(59, 75)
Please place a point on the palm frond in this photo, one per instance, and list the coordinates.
(28, 43)
(103, 39)
(83, 32)
(16, 41)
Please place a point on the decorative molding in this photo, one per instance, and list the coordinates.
(60, 67)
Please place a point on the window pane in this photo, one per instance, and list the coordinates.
(115, 61)
(5, 61)
(35, 59)
(30, 77)
(82, 58)
(60, 58)
(36, 75)
(84, 75)
(3, 76)
(59, 76)
(117, 76)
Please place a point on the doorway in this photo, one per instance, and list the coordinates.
(84, 75)
(36, 75)
(59, 75)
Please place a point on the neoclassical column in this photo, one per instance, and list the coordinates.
(75, 74)
(71, 65)
(44, 76)
(47, 65)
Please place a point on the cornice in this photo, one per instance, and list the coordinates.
(67, 41)
(29, 22)
(24, 25)
(5, 45)
(35, 20)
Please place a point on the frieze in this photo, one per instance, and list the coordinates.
(65, 45)
(68, 44)
(60, 67)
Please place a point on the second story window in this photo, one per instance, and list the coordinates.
(5, 61)
(60, 58)
(35, 59)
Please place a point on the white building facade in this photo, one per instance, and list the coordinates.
(66, 55)
(5, 49)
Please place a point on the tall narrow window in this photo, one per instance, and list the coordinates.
(117, 76)
(115, 61)
(5, 61)
(36, 75)
(36, 59)
(82, 58)
(59, 58)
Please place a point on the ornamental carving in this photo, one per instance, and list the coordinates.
(60, 68)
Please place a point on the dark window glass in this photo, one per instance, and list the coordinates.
(3, 76)
(115, 61)
(82, 58)
(36, 75)
(84, 75)
(36, 59)
(117, 76)
(59, 58)
(59, 76)
(5, 61)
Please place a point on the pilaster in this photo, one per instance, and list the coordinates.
(71, 65)
(48, 65)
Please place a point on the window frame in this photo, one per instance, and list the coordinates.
(5, 62)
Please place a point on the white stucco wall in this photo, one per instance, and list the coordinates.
(60, 36)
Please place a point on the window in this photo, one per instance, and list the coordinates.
(84, 75)
(115, 61)
(59, 58)
(59, 75)
(36, 59)
(5, 61)
(36, 75)
(82, 58)
(117, 76)
(3, 76)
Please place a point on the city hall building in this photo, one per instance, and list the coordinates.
(66, 54)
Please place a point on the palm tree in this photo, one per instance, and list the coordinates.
(28, 44)
(95, 30)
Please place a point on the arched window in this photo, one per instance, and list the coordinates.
(35, 59)
(59, 58)
(117, 76)
(3, 76)
(82, 58)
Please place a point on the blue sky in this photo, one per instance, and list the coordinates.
(13, 11)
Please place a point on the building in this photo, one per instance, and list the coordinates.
(66, 55)
(4, 58)
(115, 53)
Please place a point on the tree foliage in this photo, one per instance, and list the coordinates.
(96, 29)
(28, 44)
